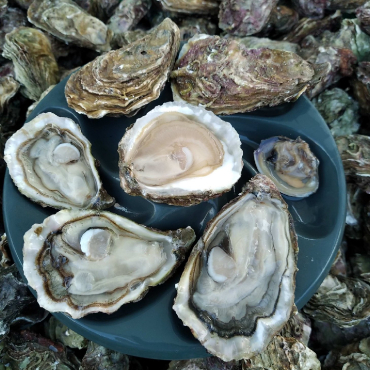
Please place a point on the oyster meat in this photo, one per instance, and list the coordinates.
(123, 81)
(237, 290)
(83, 261)
(290, 164)
(50, 162)
(179, 154)
(250, 78)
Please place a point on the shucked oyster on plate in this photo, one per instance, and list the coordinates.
(290, 164)
(50, 161)
(226, 77)
(237, 289)
(81, 262)
(179, 154)
(122, 81)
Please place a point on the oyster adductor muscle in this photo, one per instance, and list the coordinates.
(237, 290)
(50, 162)
(82, 261)
(179, 154)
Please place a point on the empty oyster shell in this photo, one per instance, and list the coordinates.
(50, 162)
(67, 21)
(124, 80)
(290, 164)
(81, 262)
(250, 78)
(237, 289)
(191, 6)
(179, 154)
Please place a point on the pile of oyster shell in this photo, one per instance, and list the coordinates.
(235, 56)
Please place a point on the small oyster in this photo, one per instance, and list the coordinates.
(232, 294)
(179, 154)
(50, 162)
(123, 81)
(247, 81)
(339, 111)
(191, 6)
(290, 164)
(363, 15)
(340, 300)
(67, 21)
(244, 17)
(355, 153)
(355, 207)
(361, 87)
(310, 8)
(34, 63)
(81, 262)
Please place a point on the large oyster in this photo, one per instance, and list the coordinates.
(80, 262)
(124, 80)
(250, 78)
(179, 154)
(237, 289)
(50, 162)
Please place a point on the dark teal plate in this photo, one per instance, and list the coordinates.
(150, 328)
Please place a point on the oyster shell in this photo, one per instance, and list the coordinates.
(290, 164)
(123, 81)
(244, 17)
(246, 82)
(50, 162)
(68, 22)
(361, 87)
(232, 294)
(310, 8)
(179, 154)
(355, 207)
(190, 27)
(297, 327)
(125, 38)
(208, 363)
(191, 6)
(81, 262)
(360, 264)
(34, 63)
(363, 15)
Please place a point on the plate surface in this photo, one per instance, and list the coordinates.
(150, 328)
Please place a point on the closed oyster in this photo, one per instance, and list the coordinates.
(67, 21)
(123, 81)
(290, 164)
(179, 154)
(191, 6)
(34, 63)
(81, 262)
(250, 78)
(234, 294)
(50, 162)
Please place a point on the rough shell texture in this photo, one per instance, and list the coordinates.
(125, 38)
(190, 27)
(244, 17)
(60, 264)
(340, 300)
(255, 320)
(348, 6)
(34, 63)
(297, 327)
(102, 9)
(67, 21)
(191, 6)
(363, 15)
(209, 363)
(355, 207)
(360, 264)
(123, 81)
(339, 111)
(310, 8)
(246, 82)
(361, 87)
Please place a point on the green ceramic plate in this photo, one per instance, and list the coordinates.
(150, 328)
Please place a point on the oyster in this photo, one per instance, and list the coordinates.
(339, 111)
(233, 294)
(179, 154)
(67, 21)
(50, 162)
(290, 164)
(297, 327)
(244, 17)
(34, 63)
(250, 78)
(81, 262)
(123, 81)
(355, 207)
(363, 15)
(251, 42)
(310, 8)
(361, 87)
(191, 6)
(190, 27)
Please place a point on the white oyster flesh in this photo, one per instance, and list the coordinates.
(50, 162)
(237, 289)
(179, 154)
(81, 262)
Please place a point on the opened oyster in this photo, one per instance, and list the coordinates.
(250, 78)
(237, 289)
(124, 80)
(81, 262)
(179, 154)
(50, 162)
(290, 164)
